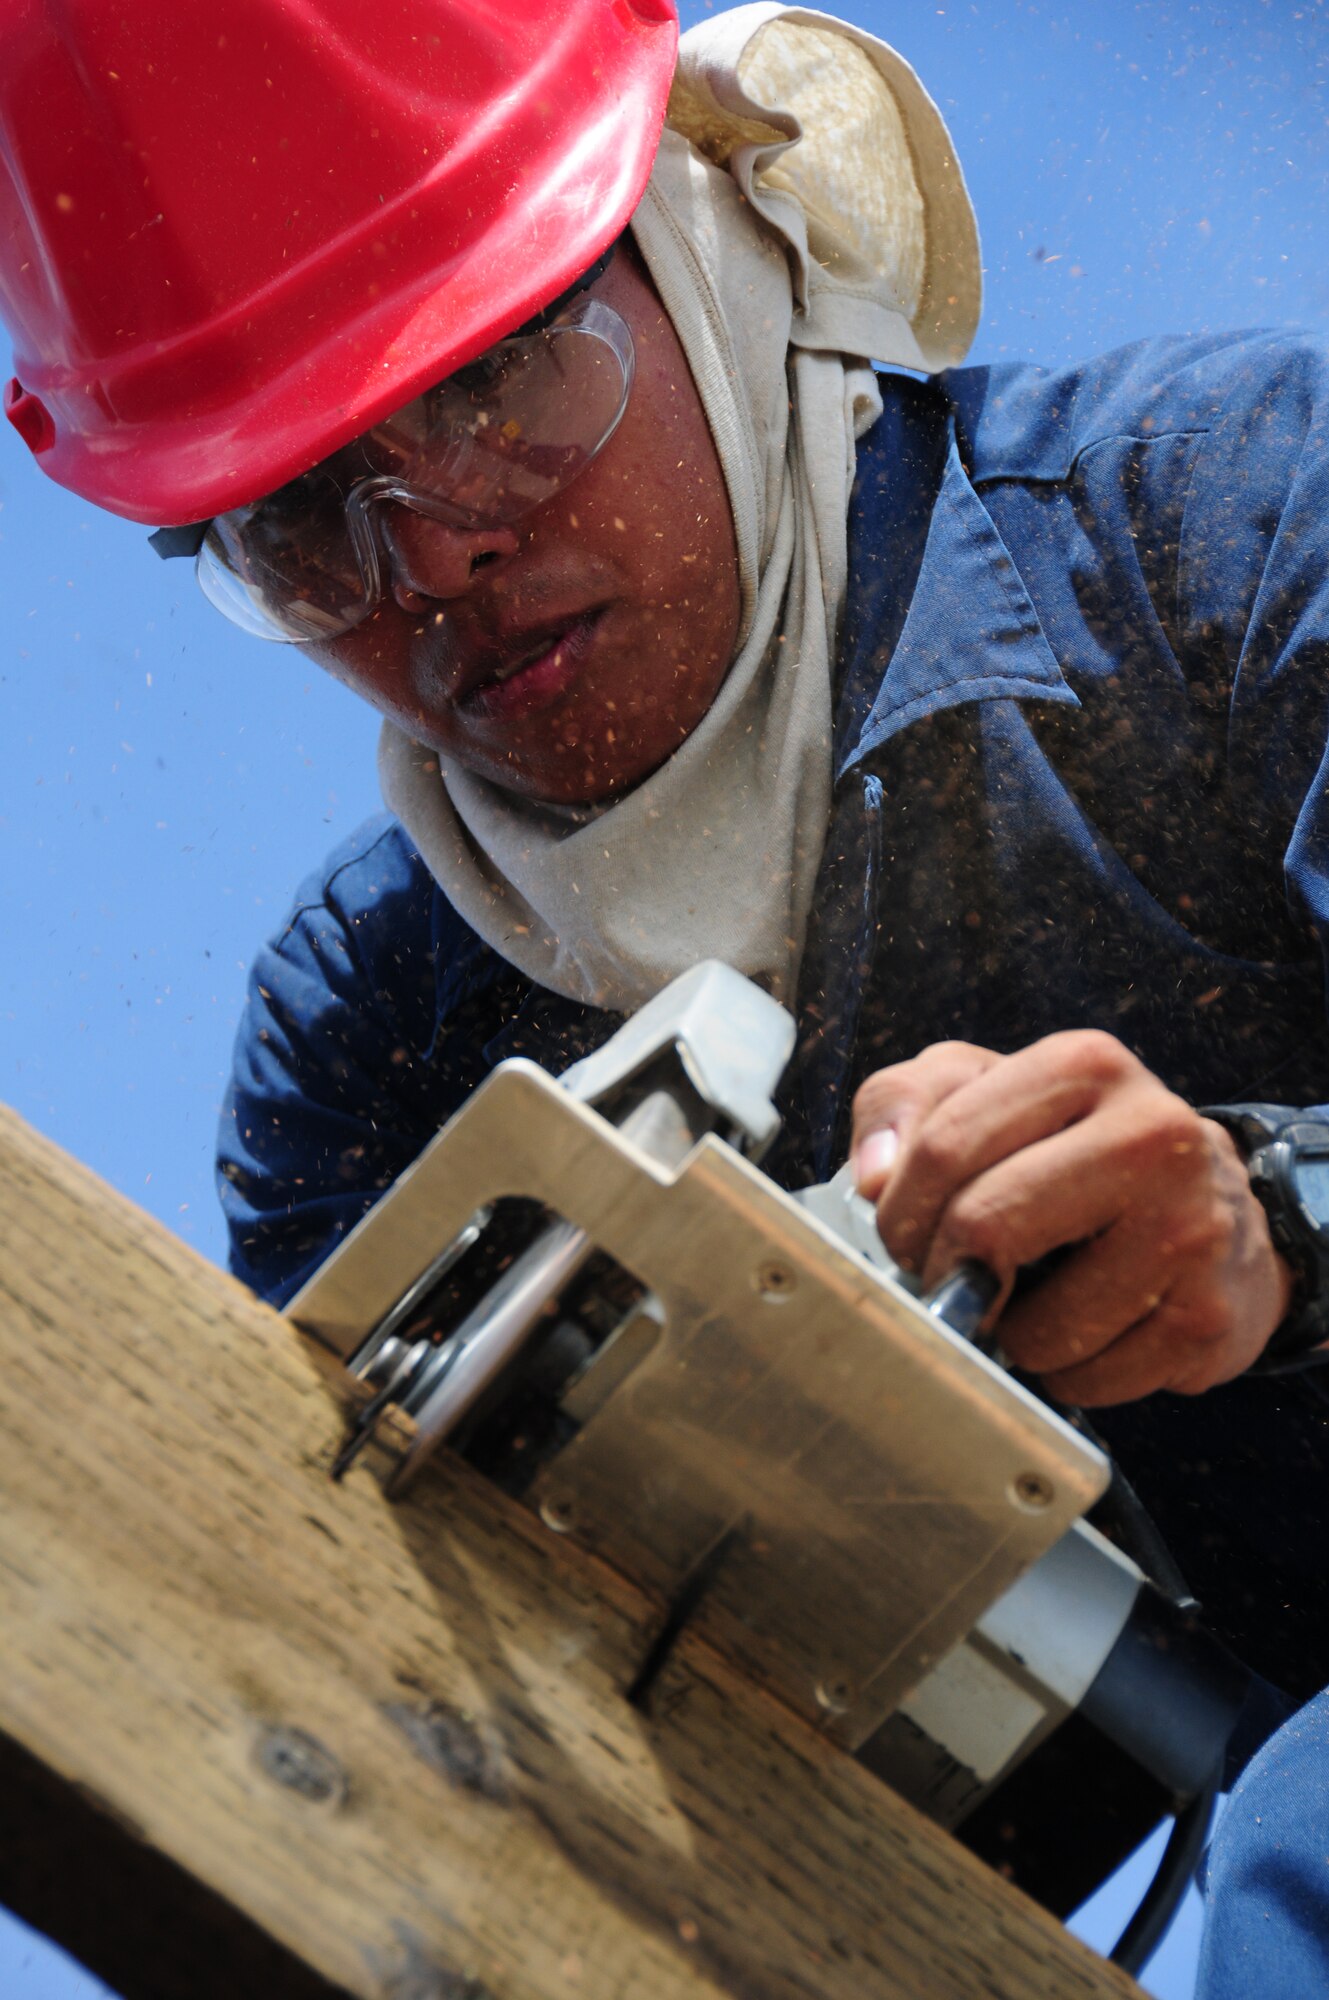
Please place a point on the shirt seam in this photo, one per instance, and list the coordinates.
(304, 909)
(1060, 478)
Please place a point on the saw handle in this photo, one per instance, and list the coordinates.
(962, 1299)
(966, 1294)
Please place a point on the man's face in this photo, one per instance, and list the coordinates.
(568, 656)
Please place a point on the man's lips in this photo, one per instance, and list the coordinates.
(530, 675)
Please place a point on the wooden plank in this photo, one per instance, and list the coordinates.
(388, 1745)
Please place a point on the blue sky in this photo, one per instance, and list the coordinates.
(164, 783)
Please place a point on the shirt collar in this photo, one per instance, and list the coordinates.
(967, 631)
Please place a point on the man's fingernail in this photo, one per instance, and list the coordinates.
(875, 1158)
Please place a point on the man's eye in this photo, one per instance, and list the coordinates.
(311, 494)
(474, 380)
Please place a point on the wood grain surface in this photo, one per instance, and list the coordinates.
(313, 1738)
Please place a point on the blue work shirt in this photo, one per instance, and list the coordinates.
(1081, 724)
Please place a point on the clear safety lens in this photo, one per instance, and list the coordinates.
(489, 444)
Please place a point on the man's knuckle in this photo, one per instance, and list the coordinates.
(1205, 1232)
(1221, 1229)
(1222, 1147)
(1164, 1142)
(1202, 1363)
(979, 1228)
(952, 1054)
(939, 1149)
(876, 1097)
(1176, 1127)
(1093, 1055)
(1207, 1323)
(1195, 1382)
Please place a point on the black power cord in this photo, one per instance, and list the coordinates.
(1162, 1899)
(1135, 1528)
(1130, 1523)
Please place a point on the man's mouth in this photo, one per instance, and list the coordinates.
(534, 676)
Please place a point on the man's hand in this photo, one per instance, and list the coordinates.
(1174, 1282)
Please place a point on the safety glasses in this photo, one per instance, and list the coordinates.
(489, 444)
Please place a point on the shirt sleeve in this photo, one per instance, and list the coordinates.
(351, 1051)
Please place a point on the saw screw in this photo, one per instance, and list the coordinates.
(1031, 1491)
(557, 1515)
(833, 1694)
(774, 1281)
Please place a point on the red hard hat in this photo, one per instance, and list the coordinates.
(232, 236)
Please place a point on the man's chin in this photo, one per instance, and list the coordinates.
(573, 787)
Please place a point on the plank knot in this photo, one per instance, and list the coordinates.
(451, 1744)
(297, 1761)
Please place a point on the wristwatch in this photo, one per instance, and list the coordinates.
(1287, 1157)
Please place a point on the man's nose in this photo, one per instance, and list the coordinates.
(435, 560)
